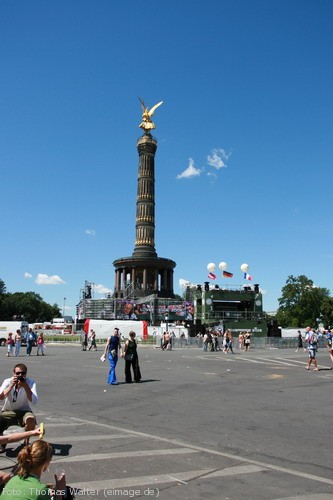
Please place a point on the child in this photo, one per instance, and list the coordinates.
(10, 344)
(40, 344)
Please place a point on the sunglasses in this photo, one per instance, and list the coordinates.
(20, 373)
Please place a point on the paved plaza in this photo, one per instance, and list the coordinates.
(201, 425)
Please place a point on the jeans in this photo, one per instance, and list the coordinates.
(112, 379)
(17, 347)
(29, 346)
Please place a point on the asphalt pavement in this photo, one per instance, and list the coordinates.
(201, 425)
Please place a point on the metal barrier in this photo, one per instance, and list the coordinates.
(256, 343)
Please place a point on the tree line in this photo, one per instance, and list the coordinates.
(28, 306)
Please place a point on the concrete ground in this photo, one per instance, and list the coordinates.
(210, 425)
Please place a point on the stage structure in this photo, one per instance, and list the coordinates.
(144, 273)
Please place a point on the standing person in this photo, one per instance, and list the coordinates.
(312, 340)
(299, 341)
(32, 461)
(215, 341)
(112, 347)
(207, 341)
(247, 341)
(183, 340)
(40, 344)
(329, 337)
(172, 337)
(230, 341)
(19, 392)
(31, 337)
(84, 341)
(225, 340)
(240, 341)
(92, 340)
(18, 341)
(165, 341)
(131, 359)
(10, 344)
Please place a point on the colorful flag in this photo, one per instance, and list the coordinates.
(211, 276)
(247, 277)
(227, 275)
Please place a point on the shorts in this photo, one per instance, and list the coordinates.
(312, 353)
(17, 417)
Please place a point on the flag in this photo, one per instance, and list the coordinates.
(211, 276)
(227, 275)
(247, 277)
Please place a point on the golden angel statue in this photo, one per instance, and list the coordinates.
(147, 124)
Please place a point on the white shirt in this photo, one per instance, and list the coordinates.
(22, 402)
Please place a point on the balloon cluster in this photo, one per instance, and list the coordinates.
(211, 268)
(223, 266)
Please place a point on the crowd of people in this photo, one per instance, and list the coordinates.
(88, 339)
(14, 343)
(216, 340)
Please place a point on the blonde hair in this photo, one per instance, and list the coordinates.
(33, 456)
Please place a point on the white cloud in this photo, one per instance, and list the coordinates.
(102, 289)
(44, 279)
(27, 275)
(190, 171)
(217, 158)
(90, 232)
(183, 283)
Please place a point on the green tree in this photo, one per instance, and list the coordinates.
(327, 312)
(2, 287)
(28, 306)
(301, 302)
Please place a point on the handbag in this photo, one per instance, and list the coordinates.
(129, 357)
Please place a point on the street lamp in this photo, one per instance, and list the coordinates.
(63, 311)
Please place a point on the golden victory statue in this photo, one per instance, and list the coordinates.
(147, 124)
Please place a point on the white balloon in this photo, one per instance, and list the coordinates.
(223, 266)
(211, 267)
(244, 268)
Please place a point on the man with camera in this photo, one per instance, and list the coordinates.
(19, 392)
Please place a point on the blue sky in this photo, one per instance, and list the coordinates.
(244, 160)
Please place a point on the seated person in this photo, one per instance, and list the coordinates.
(13, 438)
(33, 460)
(18, 392)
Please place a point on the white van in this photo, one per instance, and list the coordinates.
(11, 326)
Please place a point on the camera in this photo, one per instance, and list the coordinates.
(20, 378)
